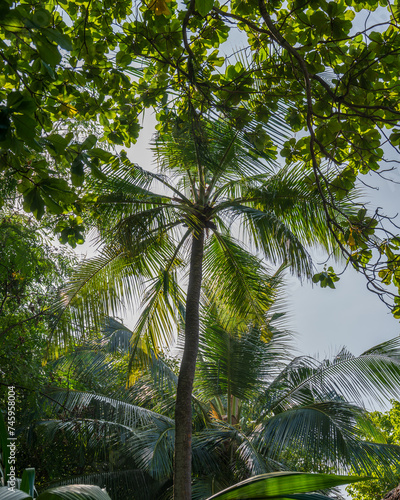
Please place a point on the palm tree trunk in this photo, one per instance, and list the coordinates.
(183, 406)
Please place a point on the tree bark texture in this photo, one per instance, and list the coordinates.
(183, 407)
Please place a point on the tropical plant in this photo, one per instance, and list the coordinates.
(212, 186)
(12, 488)
(31, 271)
(300, 415)
(282, 485)
(255, 411)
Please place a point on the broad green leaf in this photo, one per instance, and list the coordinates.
(57, 142)
(14, 22)
(14, 98)
(77, 172)
(123, 59)
(33, 202)
(41, 17)
(52, 206)
(59, 38)
(100, 153)
(58, 189)
(25, 126)
(204, 6)
(89, 142)
(49, 70)
(282, 484)
(47, 51)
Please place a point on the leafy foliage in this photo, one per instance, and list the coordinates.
(387, 423)
(326, 72)
(73, 492)
(31, 271)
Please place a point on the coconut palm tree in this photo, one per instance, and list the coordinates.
(213, 210)
(256, 411)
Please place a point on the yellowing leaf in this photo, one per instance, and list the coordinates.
(160, 7)
(133, 377)
(68, 110)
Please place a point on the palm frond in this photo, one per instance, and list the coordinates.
(123, 174)
(222, 152)
(153, 450)
(274, 237)
(228, 444)
(242, 357)
(105, 285)
(283, 485)
(91, 294)
(163, 304)
(121, 484)
(250, 289)
(372, 377)
(99, 407)
(324, 432)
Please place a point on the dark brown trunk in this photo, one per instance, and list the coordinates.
(183, 407)
(393, 494)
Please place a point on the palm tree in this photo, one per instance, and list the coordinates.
(215, 207)
(297, 414)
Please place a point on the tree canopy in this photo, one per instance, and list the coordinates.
(327, 71)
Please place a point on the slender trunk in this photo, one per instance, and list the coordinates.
(229, 411)
(229, 394)
(183, 407)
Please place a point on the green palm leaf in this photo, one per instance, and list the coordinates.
(326, 432)
(274, 237)
(282, 485)
(250, 290)
(373, 376)
(121, 484)
(74, 492)
(239, 355)
(97, 407)
(10, 494)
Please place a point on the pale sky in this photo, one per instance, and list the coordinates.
(323, 320)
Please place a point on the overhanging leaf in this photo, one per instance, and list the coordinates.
(204, 6)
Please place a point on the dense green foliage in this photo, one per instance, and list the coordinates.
(388, 423)
(31, 272)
